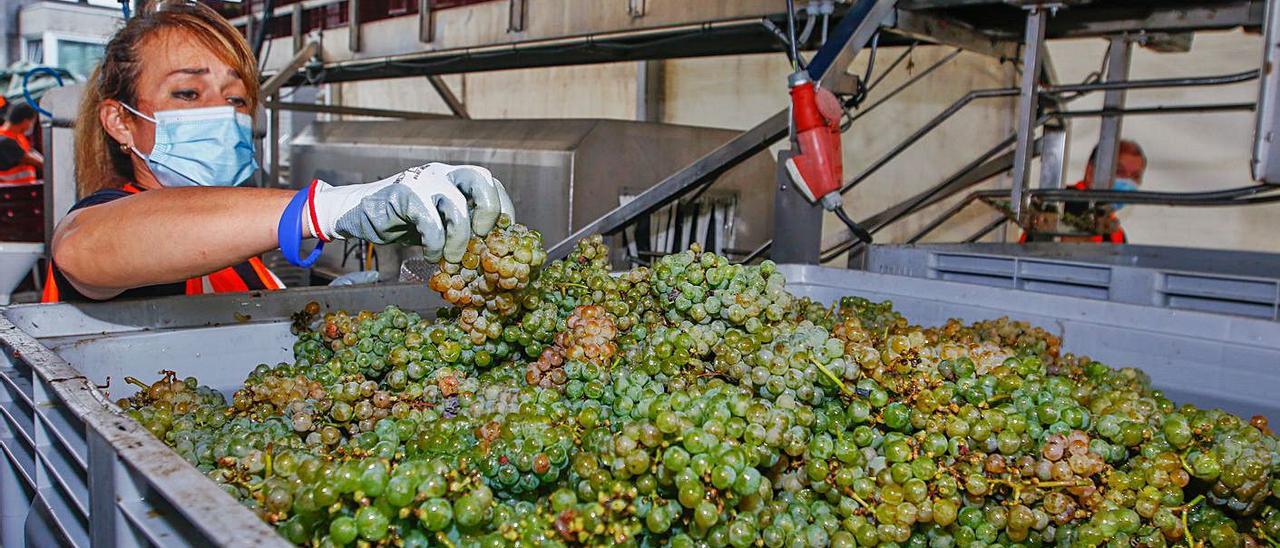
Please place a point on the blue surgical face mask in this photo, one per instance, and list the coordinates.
(1123, 185)
(210, 146)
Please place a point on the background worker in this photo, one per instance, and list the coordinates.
(1131, 163)
(15, 135)
(165, 127)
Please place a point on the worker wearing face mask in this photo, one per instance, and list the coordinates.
(1131, 163)
(165, 127)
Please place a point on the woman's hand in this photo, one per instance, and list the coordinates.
(425, 205)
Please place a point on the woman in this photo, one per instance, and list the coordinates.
(165, 127)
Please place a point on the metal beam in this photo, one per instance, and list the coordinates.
(986, 229)
(273, 84)
(452, 101)
(1028, 107)
(702, 171)
(296, 28)
(1106, 20)
(353, 111)
(938, 29)
(273, 136)
(1165, 109)
(1119, 55)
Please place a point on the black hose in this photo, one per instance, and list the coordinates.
(1140, 197)
(791, 35)
(261, 36)
(854, 227)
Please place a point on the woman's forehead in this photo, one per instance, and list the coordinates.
(178, 51)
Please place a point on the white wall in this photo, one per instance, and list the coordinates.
(1186, 152)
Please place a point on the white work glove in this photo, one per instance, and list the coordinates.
(424, 205)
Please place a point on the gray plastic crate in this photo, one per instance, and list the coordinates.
(1239, 283)
(76, 472)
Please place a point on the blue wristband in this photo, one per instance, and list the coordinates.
(289, 232)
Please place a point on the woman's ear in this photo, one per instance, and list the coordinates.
(112, 116)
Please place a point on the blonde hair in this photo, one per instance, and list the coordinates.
(100, 162)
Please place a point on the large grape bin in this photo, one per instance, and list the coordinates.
(78, 472)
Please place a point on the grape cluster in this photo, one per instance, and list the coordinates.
(492, 270)
(588, 339)
(698, 403)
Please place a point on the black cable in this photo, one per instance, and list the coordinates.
(791, 35)
(854, 227)
(262, 29)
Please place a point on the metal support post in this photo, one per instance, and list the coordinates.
(353, 25)
(1028, 105)
(452, 101)
(273, 144)
(517, 14)
(797, 224)
(650, 90)
(1104, 171)
(296, 24)
(636, 8)
(1053, 154)
(426, 28)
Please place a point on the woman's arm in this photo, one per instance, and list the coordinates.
(165, 236)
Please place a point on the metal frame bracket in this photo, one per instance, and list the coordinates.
(517, 15)
(637, 8)
(426, 22)
(353, 25)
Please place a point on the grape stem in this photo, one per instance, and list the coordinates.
(855, 496)
(1186, 530)
(1264, 535)
(831, 376)
(1182, 458)
(134, 381)
(444, 539)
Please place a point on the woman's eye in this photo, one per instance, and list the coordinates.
(186, 94)
(237, 102)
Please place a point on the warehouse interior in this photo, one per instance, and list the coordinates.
(883, 232)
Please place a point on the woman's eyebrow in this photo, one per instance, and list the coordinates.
(195, 71)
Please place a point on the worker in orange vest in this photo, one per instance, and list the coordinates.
(1131, 164)
(17, 126)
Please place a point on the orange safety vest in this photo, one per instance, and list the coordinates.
(22, 174)
(227, 280)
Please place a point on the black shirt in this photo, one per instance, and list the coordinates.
(11, 153)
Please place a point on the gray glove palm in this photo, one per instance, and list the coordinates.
(424, 205)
